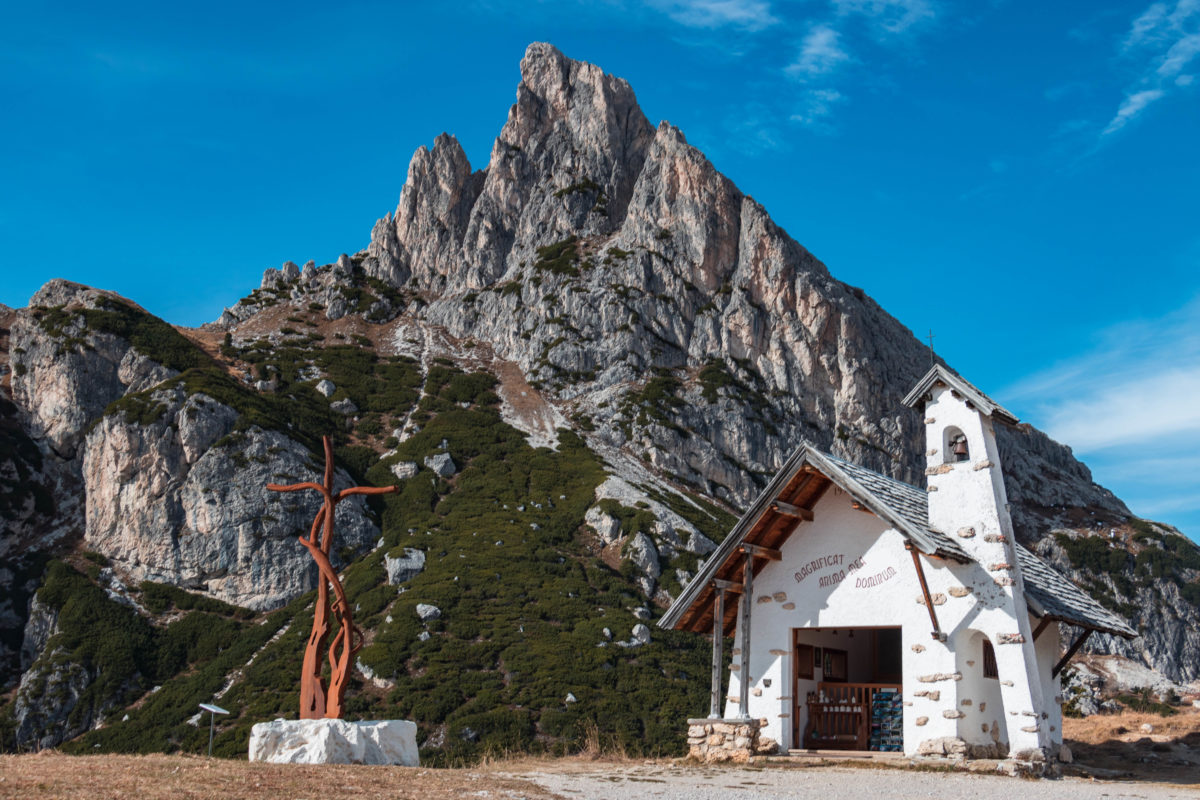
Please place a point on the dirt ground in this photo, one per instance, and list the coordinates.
(1118, 745)
(109, 777)
(1113, 757)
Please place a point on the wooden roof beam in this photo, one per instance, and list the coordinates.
(789, 510)
(938, 633)
(1070, 652)
(761, 552)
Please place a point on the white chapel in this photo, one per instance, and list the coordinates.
(868, 614)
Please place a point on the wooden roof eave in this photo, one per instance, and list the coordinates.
(699, 585)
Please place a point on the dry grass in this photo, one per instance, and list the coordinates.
(1170, 752)
(52, 775)
(1127, 726)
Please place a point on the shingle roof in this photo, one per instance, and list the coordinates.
(1060, 599)
(964, 387)
(1052, 593)
(908, 502)
(907, 508)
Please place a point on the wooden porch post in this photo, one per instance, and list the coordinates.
(718, 643)
(744, 672)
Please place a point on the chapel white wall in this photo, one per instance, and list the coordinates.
(1048, 647)
(966, 597)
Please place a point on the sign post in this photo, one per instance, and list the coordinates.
(212, 717)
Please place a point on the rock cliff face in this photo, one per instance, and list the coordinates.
(182, 500)
(653, 308)
(638, 287)
(161, 483)
(64, 375)
(595, 250)
(643, 294)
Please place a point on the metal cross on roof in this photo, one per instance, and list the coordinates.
(930, 337)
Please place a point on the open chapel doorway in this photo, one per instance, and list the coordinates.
(848, 689)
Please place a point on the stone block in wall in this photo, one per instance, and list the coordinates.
(945, 746)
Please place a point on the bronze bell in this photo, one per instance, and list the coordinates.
(960, 447)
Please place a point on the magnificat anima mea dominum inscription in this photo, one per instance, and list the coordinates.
(315, 702)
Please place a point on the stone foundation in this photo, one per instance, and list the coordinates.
(996, 757)
(736, 740)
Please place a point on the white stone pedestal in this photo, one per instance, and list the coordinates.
(335, 741)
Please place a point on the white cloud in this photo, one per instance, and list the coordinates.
(890, 16)
(1164, 39)
(748, 15)
(1142, 409)
(1180, 55)
(1131, 407)
(816, 107)
(1139, 384)
(820, 53)
(1132, 105)
(1146, 26)
(1185, 80)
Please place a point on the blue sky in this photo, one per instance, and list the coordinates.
(1022, 178)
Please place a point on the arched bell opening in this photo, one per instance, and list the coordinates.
(955, 447)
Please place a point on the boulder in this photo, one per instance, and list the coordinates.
(699, 544)
(641, 634)
(442, 464)
(427, 612)
(344, 406)
(403, 470)
(404, 567)
(607, 527)
(325, 387)
(641, 551)
(335, 741)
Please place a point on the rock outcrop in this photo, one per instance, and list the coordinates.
(183, 500)
(650, 304)
(639, 288)
(64, 372)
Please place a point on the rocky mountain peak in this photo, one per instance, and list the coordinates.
(565, 162)
(60, 292)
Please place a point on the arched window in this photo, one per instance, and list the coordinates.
(989, 661)
(954, 448)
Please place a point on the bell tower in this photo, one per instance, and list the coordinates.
(968, 503)
(962, 464)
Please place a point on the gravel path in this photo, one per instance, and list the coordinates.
(826, 783)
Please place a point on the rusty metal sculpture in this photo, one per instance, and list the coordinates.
(315, 703)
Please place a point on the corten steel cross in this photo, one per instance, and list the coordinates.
(314, 702)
